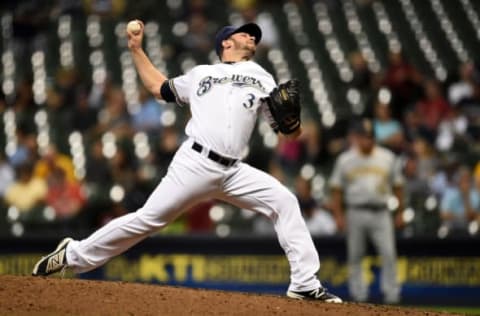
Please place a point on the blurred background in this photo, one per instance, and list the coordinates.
(82, 142)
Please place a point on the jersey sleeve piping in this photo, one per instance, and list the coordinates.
(180, 102)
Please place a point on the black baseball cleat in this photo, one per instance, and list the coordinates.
(53, 262)
(320, 294)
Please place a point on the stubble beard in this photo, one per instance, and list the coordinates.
(247, 50)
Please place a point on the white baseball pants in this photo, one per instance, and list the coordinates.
(192, 177)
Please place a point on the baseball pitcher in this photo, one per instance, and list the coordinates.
(225, 100)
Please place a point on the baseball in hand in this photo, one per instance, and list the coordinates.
(134, 27)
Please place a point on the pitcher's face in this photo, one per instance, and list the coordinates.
(243, 42)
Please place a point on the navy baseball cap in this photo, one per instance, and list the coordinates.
(227, 31)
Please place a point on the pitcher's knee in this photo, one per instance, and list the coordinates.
(287, 201)
(152, 220)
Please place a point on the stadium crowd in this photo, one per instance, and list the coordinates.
(432, 126)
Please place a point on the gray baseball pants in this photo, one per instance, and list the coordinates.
(378, 227)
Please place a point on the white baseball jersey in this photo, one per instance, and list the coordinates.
(366, 179)
(224, 103)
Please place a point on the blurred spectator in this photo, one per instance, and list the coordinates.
(290, 154)
(85, 116)
(126, 174)
(60, 118)
(416, 188)
(53, 159)
(123, 168)
(98, 182)
(319, 221)
(199, 38)
(198, 218)
(427, 159)
(115, 211)
(26, 150)
(311, 139)
(148, 169)
(66, 198)
(27, 191)
(452, 131)
(166, 147)
(433, 107)
(460, 203)
(416, 193)
(106, 8)
(7, 174)
(141, 189)
(444, 175)
(148, 118)
(250, 13)
(403, 80)
(336, 138)
(99, 92)
(412, 125)
(463, 90)
(114, 116)
(362, 76)
(388, 131)
(97, 168)
(24, 106)
(68, 85)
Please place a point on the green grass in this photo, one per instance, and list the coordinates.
(453, 309)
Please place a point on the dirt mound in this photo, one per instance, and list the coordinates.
(53, 296)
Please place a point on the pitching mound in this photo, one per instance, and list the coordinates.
(53, 296)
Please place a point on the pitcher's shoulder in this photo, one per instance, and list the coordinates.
(201, 68)
(258, 71)
(256, 66)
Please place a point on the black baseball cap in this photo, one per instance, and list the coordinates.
(362, 127)
(227, 31)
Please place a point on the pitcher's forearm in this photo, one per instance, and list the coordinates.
(151, 77)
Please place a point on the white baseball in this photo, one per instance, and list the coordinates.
(134, 27)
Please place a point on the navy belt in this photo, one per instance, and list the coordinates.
(227, 162)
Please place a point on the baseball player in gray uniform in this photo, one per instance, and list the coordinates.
(225, 100)
(363, 179)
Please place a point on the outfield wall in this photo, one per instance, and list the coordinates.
(431, 271)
